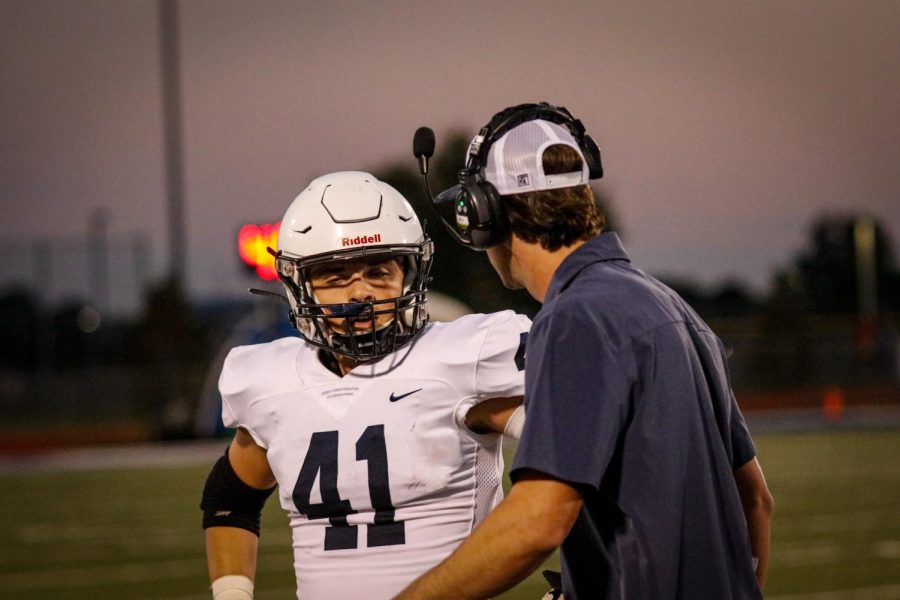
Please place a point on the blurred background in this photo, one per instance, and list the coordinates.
(148, 149)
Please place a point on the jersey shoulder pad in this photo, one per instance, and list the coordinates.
(494, 345)
(474, 327)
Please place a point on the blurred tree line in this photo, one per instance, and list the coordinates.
(73, 365)
(835, 294)
(808, 329)
(796, 334)
(166, 330)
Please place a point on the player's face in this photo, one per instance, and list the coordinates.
(358, 281)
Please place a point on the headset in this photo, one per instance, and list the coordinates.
(472, 210)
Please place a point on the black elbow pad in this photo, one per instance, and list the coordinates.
(229, 502)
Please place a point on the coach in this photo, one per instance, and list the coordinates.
(635, 459)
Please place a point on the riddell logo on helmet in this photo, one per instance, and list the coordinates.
(360, 239)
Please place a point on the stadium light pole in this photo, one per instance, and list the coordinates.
(172, 135)
(866, 268)
(98, 256)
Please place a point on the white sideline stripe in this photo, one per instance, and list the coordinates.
(170, 454)
(879, 592)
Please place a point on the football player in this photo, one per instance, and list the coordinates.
(380, 429)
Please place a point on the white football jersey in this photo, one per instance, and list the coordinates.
(377, 471)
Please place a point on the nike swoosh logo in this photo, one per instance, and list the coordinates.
(395, 397)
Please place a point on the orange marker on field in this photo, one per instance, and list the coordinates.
(834, 402)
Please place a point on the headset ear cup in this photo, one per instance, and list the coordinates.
(499, 219)
(488, 223)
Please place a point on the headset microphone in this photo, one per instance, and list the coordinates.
(423, 147)
(449, 208)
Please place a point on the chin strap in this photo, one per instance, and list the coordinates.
(268, 294)
(366, 340)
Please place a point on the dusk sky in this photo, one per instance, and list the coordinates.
(726, 127)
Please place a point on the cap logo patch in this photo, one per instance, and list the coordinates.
(523, 180)
(361, 239)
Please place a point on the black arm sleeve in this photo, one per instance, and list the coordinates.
(229, 502)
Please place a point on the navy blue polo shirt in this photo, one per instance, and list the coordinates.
(628, 398)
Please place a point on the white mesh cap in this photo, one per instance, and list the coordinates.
(515, 162)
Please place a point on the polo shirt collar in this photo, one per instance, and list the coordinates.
(604, 247)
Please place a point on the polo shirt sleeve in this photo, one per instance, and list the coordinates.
(742, 448)
(741, 443)
(577, 399)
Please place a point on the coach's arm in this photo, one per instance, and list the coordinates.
(758, 506)
(233, 498)
(514, 539)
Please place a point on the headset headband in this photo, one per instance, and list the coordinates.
(472, 211)
(514, 116)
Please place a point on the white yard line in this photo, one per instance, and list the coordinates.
(170, 454)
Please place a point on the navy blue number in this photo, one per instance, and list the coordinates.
(371, 448)
(321, 459)
(520, 353)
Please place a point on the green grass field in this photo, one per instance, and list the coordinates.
(134, 533)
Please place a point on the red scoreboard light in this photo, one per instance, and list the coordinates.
(253, 241)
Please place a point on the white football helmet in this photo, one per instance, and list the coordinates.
(347, 216)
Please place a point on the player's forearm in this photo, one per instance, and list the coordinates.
(232, 508)
(493, 415)
(231, 551)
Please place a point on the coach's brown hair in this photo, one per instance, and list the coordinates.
(555, 218)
